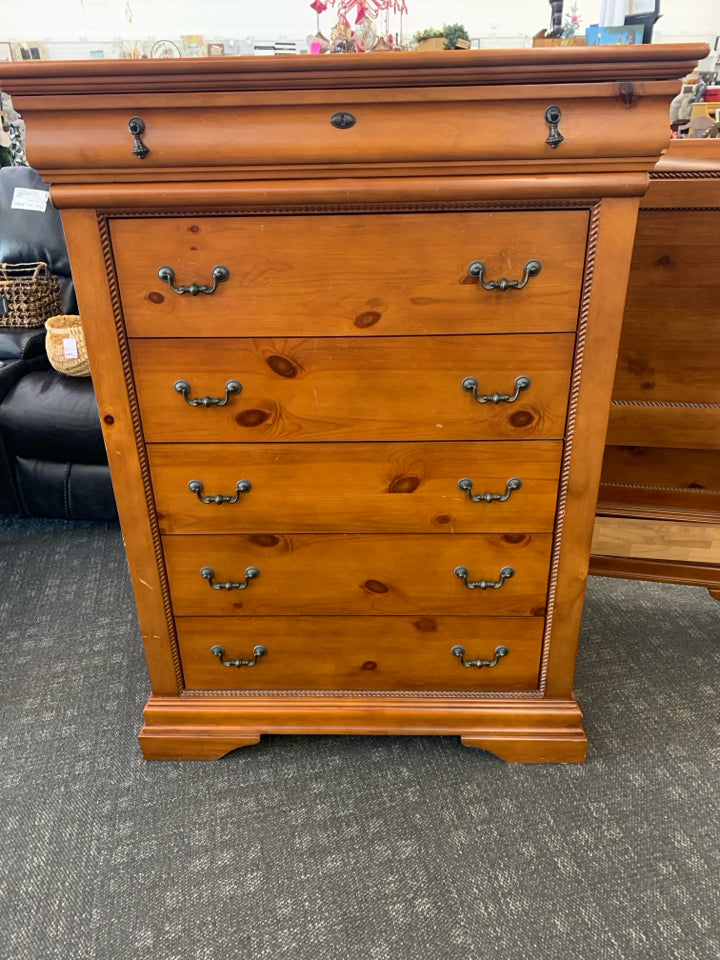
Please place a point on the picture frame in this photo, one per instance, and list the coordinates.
(6, 52)
(29, 50)
(193, 45)
(216, 49)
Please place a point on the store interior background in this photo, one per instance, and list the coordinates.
(79, 29)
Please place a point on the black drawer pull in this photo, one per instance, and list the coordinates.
(197, 486)
(167, 275)
(552, 116)
(136, 127)
(459, 652)
(219, 652)
(231, 387)
(252, 573)
(463, 573)
(466, 484)
(477, 270)
(470, 384)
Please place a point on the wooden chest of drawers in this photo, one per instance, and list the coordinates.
(354, 378)
(659, 504)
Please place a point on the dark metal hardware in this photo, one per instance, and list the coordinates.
(252, 573)
(463, 573)
(137, 128)
(459, 652)
(470, 384)
(343, 120)
(552, 116)
(477, 270)
(219, 274)
(231, 387)
(466, 484)
(258, 651)
(197, 486)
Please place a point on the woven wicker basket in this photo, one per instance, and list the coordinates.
(29, 294)
(65, 345)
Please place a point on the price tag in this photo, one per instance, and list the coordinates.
(70, 348)
(26, 199)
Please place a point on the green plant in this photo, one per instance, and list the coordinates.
(427, 34)
(454, 32)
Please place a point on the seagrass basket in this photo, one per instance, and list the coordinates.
(29, 294)
(65, 345)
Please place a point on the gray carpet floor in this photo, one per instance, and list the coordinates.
(327, 848)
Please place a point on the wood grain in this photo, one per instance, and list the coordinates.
(358, 575)
(239, 135)
(357, 274)
(661, 473)
(674, 426)
(433, 130)
(598, 339)
(524, 68)
(663, 571)
(671, 278)
(661, 481)
(657, 539)
(357, 487)
(685, 469)
(351, 388)
(121, 432)
(360, 653)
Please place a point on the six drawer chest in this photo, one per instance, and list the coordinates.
(352, 323)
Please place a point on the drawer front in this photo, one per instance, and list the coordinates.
(360, 653)
(356, 487)
(292, 126)
(349, 388)
(658, 480)
(351, 274)
(672, 426)
(671, 338)
(358, 574)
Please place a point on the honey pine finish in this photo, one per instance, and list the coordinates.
(352, 323)
(658, 514)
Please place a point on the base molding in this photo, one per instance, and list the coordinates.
(659, 570)
(527, 731)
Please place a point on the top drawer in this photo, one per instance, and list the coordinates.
(351, 274)
(219, 126)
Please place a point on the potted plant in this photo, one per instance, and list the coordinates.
(429, 39)
(456, 37)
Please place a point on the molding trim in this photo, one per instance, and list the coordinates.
(300, 209)
(590, 257)
(140, 441)
(668, 404)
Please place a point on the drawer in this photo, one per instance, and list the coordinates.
(658, 480)
(351, 274)
(358, 574)
(350, 388)
(361, 653)
(356, 487)
(668, 425)
(671, 338)
(290, 126)
(677, 365)
(646, 538)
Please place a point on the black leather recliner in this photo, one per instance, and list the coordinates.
(52, 456)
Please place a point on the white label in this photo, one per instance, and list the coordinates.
(26, 199)
(70, 348)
